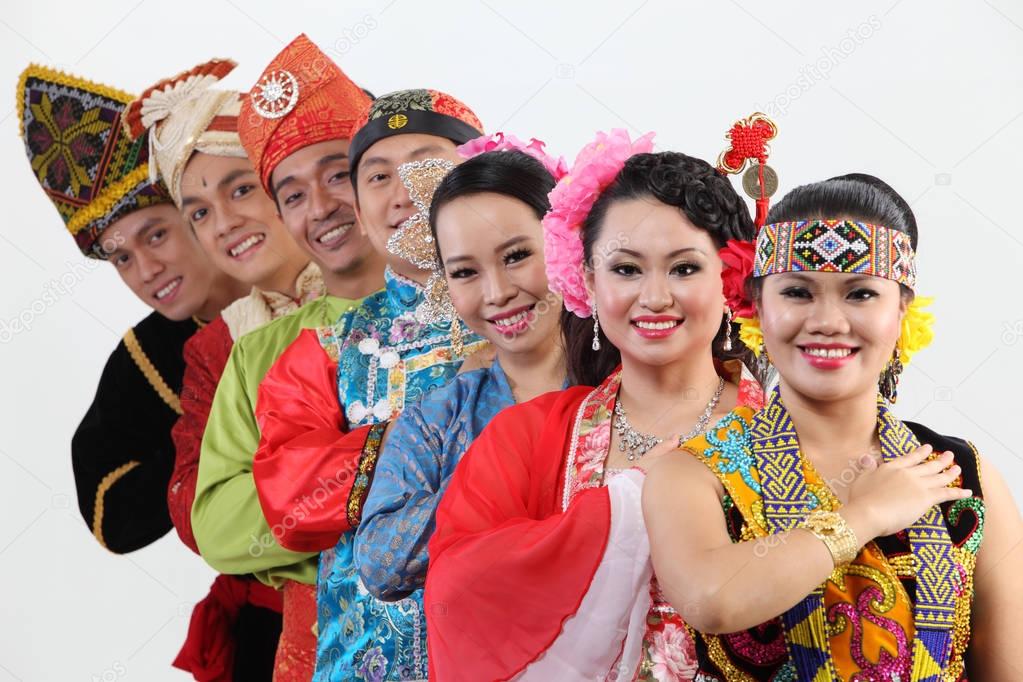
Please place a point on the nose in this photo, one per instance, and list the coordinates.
(827, 318)
(149, 265)
(226, 221)
(323, 203)
(498, 288)
(401, 203)
(655, 294)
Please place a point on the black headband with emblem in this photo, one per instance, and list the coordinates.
(428, 112)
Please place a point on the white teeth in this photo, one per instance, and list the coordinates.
(163, 293)
(246, 245)
(513, 320)
(657, 325)
(829, 352)
(335, 233)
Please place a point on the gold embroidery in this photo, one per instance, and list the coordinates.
(46, 73)
(904, 565)
(101, 491)
(367, 465)
(961, 617)
(149, 371)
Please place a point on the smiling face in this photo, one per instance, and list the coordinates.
(383, 202)
(656, 280)
(235, 221)
(492, 248)
(830, 334)
(158, 257)
(313, 189)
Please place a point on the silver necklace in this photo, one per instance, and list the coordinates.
(634, 444)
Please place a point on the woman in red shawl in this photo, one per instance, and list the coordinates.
(539, 567)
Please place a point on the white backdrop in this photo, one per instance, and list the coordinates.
(927, 95)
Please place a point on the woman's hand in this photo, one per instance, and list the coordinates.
(892, 496)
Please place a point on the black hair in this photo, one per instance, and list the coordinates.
(704, 195)
(510, 173)
(855, 196)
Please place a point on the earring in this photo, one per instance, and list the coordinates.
(888, 384)
(727, 345)
(596, 329)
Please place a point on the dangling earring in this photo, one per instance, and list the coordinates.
(727, 345)
(596, 329)
(456, 336)
(888, 384)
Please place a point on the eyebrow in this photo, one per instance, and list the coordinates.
(320, 163)
(677, 252)
(500, 247)
(415, 153)
(147, 226)
(224, 182)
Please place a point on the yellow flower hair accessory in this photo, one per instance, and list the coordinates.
(750, 334)
(917, 328)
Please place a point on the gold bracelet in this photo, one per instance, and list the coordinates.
(831, 529)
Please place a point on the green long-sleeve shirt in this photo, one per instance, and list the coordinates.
(232, 535)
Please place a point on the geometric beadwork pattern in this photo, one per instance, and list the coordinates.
(835, 246)
(787, 501)
(88, 167)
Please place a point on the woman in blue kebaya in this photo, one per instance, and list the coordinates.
(485, 219)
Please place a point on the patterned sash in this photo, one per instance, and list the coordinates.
(787, 499)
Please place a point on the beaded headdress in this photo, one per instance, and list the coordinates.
(817, 245)
(92, 172)
(184, 115)
(302, 98)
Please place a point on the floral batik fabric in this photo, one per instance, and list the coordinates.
(387, 359)
(899, 611)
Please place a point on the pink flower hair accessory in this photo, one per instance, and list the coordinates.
(595, 168)
(499, 142)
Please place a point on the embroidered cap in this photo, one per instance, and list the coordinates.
(184, 115)
(413, 111)
(302, 98)
(90, 169)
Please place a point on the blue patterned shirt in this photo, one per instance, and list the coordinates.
(388, 360)
(423, 448)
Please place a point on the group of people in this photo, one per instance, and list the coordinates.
(439, 405)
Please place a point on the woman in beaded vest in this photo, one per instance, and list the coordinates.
(539, 564)
(835, 541)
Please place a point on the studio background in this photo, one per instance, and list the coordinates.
(926, 95)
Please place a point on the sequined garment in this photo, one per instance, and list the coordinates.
(873, 619)
(388, 360)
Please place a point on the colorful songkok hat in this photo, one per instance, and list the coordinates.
(835, 246)
(92, 172)
(184, 115)
(428, 112)
(301, 99)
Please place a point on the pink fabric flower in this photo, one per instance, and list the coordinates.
(499, 142)
(594, 169)
(673, 654)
